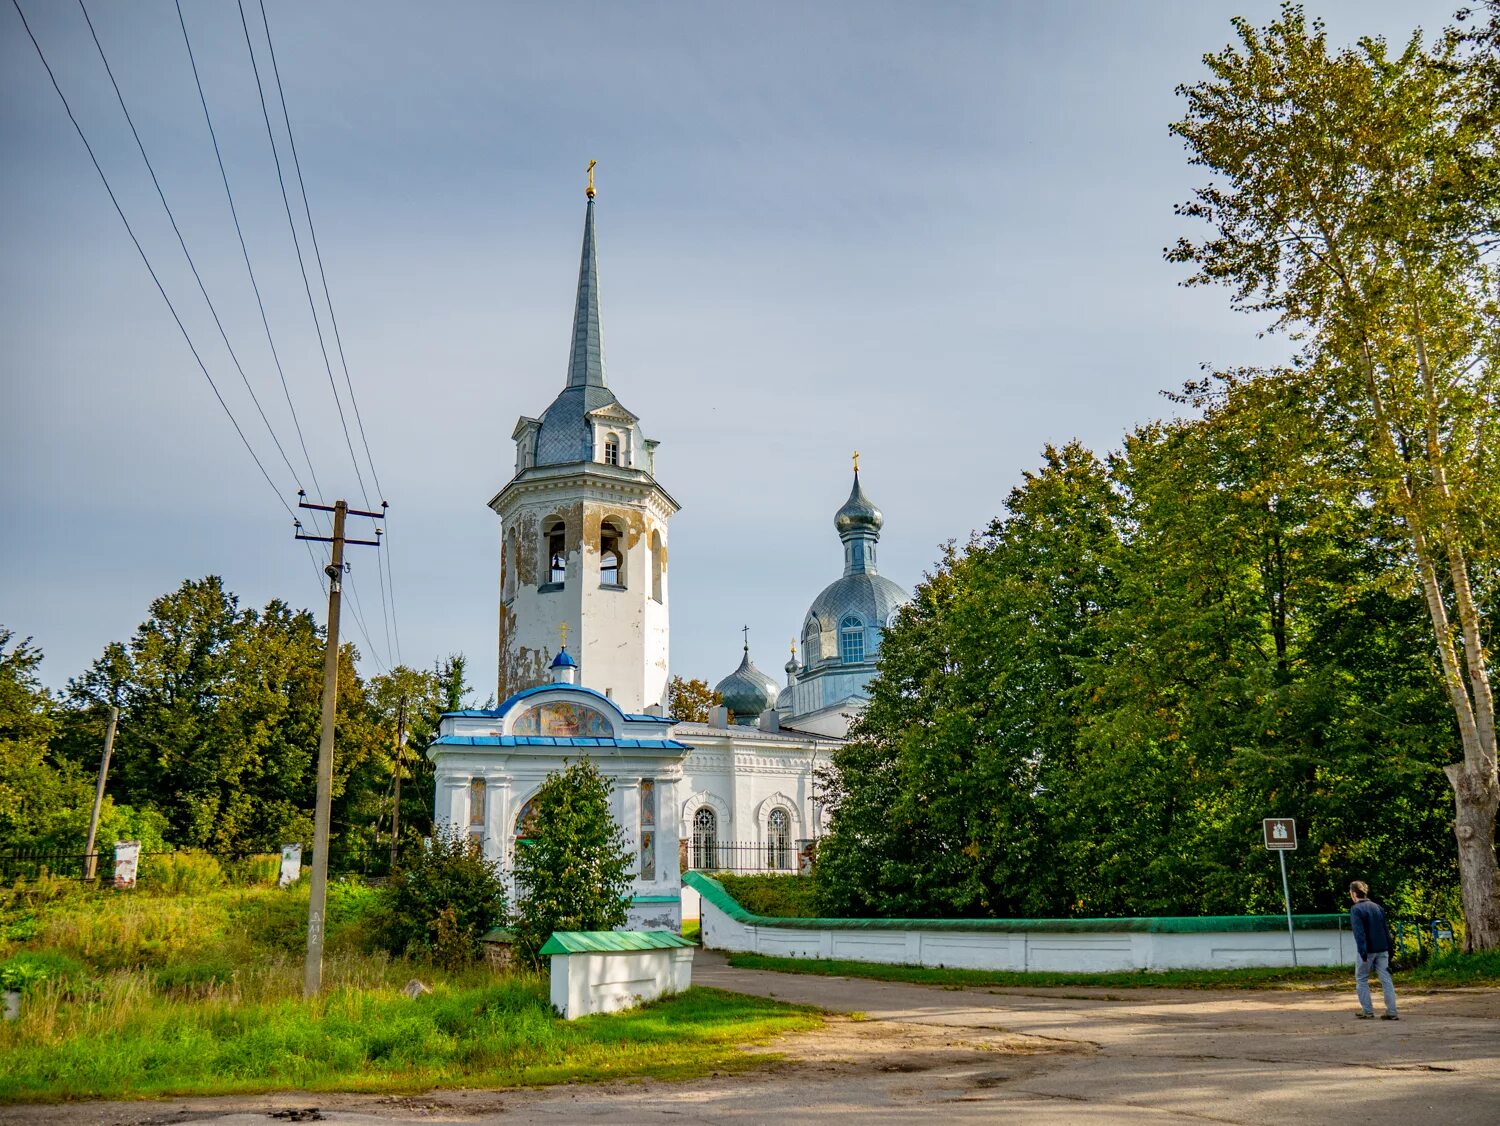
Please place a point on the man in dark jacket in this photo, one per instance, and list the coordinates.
(1372, 942)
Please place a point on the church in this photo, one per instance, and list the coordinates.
(584, 657)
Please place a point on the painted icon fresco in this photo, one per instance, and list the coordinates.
(563, 721)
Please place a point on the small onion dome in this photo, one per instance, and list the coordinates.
(564, 660)
(747, 691)
(859, 513)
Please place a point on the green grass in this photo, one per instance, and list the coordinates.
(1457, 969)
(692, 928)
(501, 1034)
(780, 896)
(140, 995)
(1449, 970)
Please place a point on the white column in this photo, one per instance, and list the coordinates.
(628, 797)
(497, 814)
(451, 808)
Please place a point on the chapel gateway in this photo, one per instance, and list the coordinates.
(584, 634)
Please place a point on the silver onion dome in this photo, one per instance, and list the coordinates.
(747, 691)
(858, 514)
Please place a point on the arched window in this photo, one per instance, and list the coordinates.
(705, 838)
(611, 556)
(656, 565)
(476, 808)
(778, 840)
(557, 551)
(851, 640)
(525, 824)
(508, 569)
(812, 633)
(612, 450)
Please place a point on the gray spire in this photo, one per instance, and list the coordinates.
(586, 358)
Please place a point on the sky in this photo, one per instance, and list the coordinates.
(929, 232)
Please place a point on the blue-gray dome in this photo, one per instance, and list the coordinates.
(565, 434)
(868, 599)
(747, 691)
(846, 620)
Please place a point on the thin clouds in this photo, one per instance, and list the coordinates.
(929, 232)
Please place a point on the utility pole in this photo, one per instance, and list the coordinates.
(90, 860)
(396, 809)
(312, 974)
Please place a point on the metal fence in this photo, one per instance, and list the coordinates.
(747, 856)
(28, 864)
(32, 864)
(1416, 940)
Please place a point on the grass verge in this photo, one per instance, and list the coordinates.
(492, 1036)
(1450, 970)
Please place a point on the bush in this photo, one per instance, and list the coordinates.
(442, 893)
(188, 872)
(260, 870)
(574, 872)
(30, 968)
(783, 897)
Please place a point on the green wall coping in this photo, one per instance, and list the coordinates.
(713, 891)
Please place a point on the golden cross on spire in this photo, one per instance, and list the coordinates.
(794, 648)
(563, 630)
(856, 461)
(589, 191)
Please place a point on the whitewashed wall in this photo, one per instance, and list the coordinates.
(1027, 950)
(583, 984)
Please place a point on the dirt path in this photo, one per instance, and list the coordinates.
(969, 1055)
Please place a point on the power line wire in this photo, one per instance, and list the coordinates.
(388, 605)
(182, 242)
(255, 287)
(312, 230)
(147, 261)
(297, 244)
(245, 252)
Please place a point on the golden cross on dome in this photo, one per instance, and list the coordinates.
(563, 630)
(794, 648)
(856, 461)
(589, 191)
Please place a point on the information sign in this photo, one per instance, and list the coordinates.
(1281, 833)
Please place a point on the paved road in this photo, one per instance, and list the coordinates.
(1268, 1058)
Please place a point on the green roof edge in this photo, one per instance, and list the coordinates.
(713, 891)
(612, 942)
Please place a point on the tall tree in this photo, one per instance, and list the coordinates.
(1355, 202)
(690, 700)
(949, 796)
(219, 718)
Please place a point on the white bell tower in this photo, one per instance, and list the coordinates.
(584, 531)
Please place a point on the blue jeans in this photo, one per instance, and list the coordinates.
(1381, 963)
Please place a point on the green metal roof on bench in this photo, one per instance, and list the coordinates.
(612, 942)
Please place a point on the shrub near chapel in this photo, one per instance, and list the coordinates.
(572, 868)
(443, 897)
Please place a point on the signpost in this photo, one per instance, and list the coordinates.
(1281, 838)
